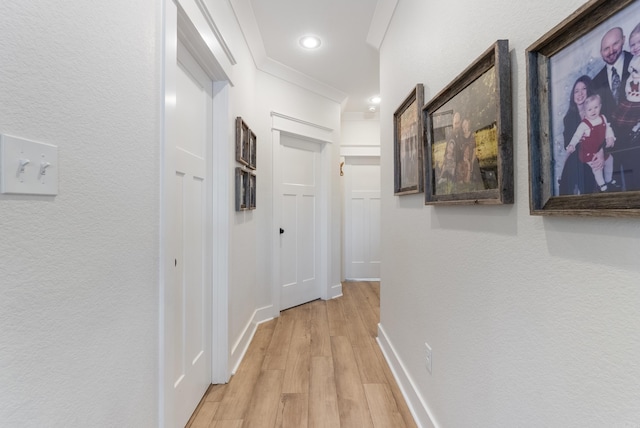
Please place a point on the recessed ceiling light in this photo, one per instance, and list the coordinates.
(310, 42)
(375, 100)
(372, 109)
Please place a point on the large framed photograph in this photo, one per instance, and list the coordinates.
(242, 141)
(407, 144)
(583, 88)
(468, 142)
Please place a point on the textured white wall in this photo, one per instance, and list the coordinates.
(360, 130)
(79, 272)
(533, 321)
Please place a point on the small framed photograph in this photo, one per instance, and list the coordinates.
(242, 141)
(583, 89)
(252, 191)
(242, 189)
(407, 144)
(252, 150)
(468, 143)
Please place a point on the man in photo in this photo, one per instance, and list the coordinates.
(609, 84)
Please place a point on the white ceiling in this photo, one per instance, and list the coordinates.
(345, 68)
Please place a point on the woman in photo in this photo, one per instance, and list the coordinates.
(576, 178)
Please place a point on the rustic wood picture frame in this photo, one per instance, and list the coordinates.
(407, 144)
(252, 150)
(563, 180)
(242, 189)
(242, 142)
(468, 135)
(251, 191)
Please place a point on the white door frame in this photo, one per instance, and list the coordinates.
(190, 21)
(280, 124)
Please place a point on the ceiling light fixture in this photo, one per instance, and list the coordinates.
(375, 100)
(310, 42)
(372, 109)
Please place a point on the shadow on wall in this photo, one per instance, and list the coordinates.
(498, 220)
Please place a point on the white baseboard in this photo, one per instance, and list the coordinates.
(259, 316)
(419, 409)
(335, 291)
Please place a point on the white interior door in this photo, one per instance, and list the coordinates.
(192, 302)
(299, 243)
(362, 218)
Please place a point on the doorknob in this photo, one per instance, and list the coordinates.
(281, 231)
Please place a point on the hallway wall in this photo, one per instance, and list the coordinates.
(79, 283)
(532, 321)
(79, 272)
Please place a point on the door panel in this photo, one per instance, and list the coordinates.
(288, 243)
(299, 215)
(191, 303)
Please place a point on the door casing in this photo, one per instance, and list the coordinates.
(178, 22)
(324, 136)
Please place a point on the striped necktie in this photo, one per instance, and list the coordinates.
(615, 83)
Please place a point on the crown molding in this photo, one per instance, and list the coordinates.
(251, 32)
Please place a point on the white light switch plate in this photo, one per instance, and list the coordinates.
(27, 167)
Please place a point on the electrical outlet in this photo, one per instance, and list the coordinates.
(428, 357)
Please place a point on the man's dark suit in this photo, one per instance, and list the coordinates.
(600, 84)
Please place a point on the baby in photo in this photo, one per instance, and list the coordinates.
(592, 135)
(627, 115)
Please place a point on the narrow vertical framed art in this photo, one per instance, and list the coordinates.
(407, 144)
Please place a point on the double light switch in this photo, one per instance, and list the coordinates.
(28, 167)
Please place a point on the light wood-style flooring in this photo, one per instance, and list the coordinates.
(317, 365)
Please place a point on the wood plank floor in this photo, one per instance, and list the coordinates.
(317, 365)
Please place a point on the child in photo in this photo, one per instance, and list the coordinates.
(592, 135)
(626, 118)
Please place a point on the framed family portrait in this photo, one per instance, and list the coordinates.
(468, 141)
(407, 144)
(242, 141)
(583, 89)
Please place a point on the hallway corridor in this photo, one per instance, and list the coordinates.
(317, 365)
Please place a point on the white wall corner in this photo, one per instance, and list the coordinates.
(335, 291)
(380, 22)
(418, 407)
(239, 349)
